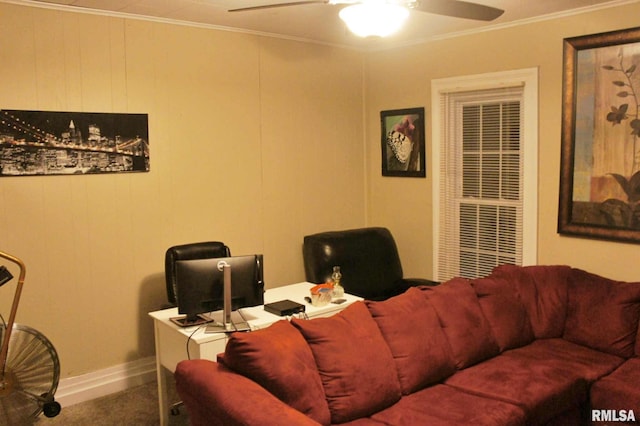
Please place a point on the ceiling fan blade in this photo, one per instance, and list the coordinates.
(271, 6)
(459, 9)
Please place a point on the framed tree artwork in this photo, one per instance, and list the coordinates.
(600, 161)
(403, 147)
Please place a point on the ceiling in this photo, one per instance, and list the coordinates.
(319, 22)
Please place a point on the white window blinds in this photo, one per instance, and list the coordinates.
(481, 174)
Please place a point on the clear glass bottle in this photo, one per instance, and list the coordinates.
(336, 276)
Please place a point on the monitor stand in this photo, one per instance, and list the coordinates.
(188, 322)
(237, 323)
(224, 326)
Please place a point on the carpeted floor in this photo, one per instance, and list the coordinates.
(137, 406)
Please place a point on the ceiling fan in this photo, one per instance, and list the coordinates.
(383, 17)
(454, 8)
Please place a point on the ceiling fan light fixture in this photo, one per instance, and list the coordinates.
(376, 18)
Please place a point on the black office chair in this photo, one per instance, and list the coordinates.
(204, 250)
(368, 260)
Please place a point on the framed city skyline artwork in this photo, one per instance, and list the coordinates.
(35, 143)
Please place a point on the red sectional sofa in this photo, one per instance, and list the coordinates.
(538, 345)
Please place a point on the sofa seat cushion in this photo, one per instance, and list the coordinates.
(541, 390)
(279, 359)
(505, 312)
(412, 330)
(602, 313)
(355, 364)
(465, 326)
(578, 360)
(442, 405)
(543, 291)
(619, 390)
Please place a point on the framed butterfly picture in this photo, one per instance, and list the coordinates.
(403, 147)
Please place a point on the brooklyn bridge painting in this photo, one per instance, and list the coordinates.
(66, 143)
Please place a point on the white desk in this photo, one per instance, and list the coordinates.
(171, 341)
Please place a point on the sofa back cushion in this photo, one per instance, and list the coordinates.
(411, 328)
(543, 291)
(467, 330)
(603, 314)
(505, 312)
(279, 359)
(355, 364)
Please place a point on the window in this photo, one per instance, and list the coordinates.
(485, 149)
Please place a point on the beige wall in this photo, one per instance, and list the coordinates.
(401, 78)
(254, 141)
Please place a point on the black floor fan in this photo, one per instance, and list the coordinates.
(29, 364)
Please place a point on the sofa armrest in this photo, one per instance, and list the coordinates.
(215, 395)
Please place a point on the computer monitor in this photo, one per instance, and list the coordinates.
(200, 285)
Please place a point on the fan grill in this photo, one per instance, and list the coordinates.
(32, 374)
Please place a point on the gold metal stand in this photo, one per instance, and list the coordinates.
(5, 384)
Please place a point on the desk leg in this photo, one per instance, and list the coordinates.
(163, 397)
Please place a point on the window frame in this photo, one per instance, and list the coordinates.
(528, 79)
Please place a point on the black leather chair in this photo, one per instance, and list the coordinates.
(204, 250)
(368, 259)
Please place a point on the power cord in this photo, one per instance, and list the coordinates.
(190, 337)
(301, 315)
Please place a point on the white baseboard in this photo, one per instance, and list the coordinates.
(74, 390)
